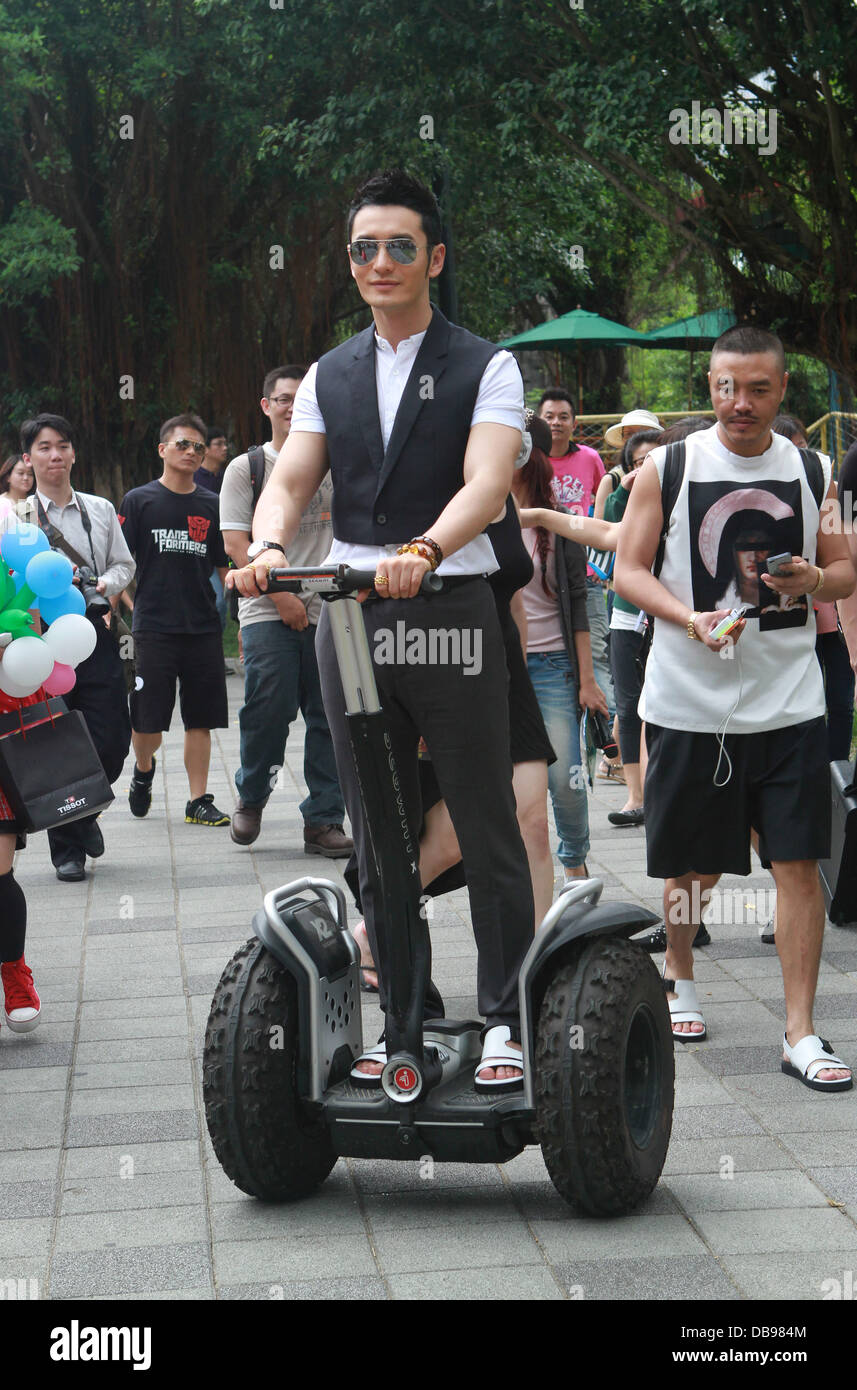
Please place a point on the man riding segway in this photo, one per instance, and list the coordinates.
(420, 424)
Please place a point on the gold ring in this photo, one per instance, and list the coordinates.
(381, 579)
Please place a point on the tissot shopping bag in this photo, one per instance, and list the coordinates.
(49, 770)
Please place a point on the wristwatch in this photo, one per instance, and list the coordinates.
(255, 550)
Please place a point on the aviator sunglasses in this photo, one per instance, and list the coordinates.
(400, 248)
(189, 444)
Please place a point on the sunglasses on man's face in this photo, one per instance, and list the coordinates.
(189, 444)
(400, 248)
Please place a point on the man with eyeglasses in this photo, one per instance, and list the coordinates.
(173, 529)
(278, 636)
(420, 425)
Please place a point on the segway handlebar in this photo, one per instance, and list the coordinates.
(334, 579)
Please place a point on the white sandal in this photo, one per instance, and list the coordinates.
(378, 1053)
(810, 1056)
(496, 1052)
(684, 1009)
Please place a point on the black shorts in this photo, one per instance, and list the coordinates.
(196, 662)
(780, 785)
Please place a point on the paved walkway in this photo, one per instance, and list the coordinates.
(109, 1187)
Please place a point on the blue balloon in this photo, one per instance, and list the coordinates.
(53, 608)
(21, 543)
(49, 574)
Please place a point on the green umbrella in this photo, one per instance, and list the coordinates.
(700, 331)
(571, 330)
(580, 326)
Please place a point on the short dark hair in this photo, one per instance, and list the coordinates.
(293, 372)
(557, 393)
(182, 422)
(746, 338)
(398, 188)
(214, 432)
(789, 425)
(31, 429)
(632, 443)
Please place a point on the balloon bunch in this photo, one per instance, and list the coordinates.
(34, 576)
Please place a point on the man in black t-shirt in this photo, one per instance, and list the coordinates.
(172, 528)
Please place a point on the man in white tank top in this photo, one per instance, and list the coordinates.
(735, 725)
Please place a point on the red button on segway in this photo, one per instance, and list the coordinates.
(405, 1078)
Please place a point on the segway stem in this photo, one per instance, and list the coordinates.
(402, 933)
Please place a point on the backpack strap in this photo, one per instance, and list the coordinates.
(814, 474)
(256, 459)
(670, 488)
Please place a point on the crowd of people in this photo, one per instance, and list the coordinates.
(723, 741)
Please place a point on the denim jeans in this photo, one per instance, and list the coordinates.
(280, 677)
(599, 633)
(556, 692)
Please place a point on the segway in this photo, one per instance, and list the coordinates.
(285, 1024)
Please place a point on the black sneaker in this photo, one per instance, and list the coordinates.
(140, 791)
(203, 811)
(657, 940)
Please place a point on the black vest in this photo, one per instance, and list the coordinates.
(379, 497)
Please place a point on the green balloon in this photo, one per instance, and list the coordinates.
(19, 624)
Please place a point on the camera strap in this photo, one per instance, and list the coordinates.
(58, 540)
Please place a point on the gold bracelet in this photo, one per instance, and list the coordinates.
(820, 585)
(691, 629)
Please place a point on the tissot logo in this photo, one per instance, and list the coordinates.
(76, 1343)
(71, 804)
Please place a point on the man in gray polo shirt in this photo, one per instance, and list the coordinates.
(278, 634)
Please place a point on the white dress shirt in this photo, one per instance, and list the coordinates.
(500, 401)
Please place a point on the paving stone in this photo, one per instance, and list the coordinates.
(144, 1191)
(814, 1277)
(787, 1230)
(309, 1290)
(542, 1202)
(160, 1073)
(23, 1079)
(117, 927)
(130, 1099)
(840, 1184)
(384, 1175)
(89, 1131)
(131, 1050)
(288, 1260)
(747, 1154)
(743, 1191)
(438, 1207)
(27, 1237)
(708, 1121)
(820, 1150)
(131, 1228)
(500, 1283)
(740, 1061)
(628, 1237)
(109, 1161)
(465, 1245)
(19, 1199)
(697, 1277)
(130, 1272)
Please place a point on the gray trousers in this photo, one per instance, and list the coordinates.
(464, 719)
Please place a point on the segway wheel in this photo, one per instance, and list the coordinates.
(262, 1139)
(604, 1078)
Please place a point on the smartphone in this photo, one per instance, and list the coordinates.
(727, 624)
(780, 566)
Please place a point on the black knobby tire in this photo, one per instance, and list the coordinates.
(604, 1094)
(263, 1140)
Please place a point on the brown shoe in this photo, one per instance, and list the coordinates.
(246, 824)
(329, 840)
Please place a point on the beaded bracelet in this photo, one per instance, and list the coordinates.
(412, 548)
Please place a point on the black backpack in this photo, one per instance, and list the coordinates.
(256, 459)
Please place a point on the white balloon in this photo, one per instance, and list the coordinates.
(13, 688)
(71, 639)
(28, 661)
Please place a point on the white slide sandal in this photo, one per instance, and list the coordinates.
(685, 1009)
(810, 1056)
(496, 1052)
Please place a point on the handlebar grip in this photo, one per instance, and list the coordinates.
(365, 579)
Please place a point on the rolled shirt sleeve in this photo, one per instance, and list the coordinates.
(120, 567)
